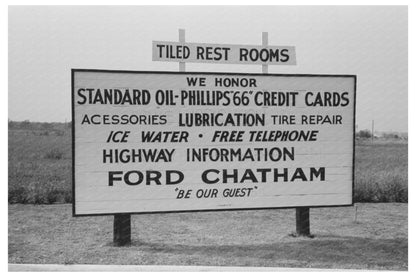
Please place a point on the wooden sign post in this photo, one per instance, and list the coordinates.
(302, 222)
(122, 222)
(182, 39)
(265, 42)
(302, 214)
(122, 230)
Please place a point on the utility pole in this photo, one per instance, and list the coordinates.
(372, 130)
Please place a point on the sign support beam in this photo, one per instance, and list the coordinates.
(122, 230)
(265, 42)
(182, 40)
(302, 222)
(122, 222)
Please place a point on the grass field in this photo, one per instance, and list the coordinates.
(40, 173)
(381, 171)
(40, 167)
(378, 240)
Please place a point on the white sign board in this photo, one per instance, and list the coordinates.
(168, 141)
(169, 51)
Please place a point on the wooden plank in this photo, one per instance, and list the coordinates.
(223, 53)
(143, 206)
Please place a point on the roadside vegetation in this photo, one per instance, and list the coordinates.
(373, 239)
(39, 163)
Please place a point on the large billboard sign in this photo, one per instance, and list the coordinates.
(173, 141)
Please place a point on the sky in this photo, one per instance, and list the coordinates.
(45, 42)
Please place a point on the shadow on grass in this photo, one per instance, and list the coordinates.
(323, 251)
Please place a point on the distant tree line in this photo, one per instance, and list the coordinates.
(27, 125)
(366, 134)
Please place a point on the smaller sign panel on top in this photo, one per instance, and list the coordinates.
(169, 51)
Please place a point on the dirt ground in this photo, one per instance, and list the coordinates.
(378, 240)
